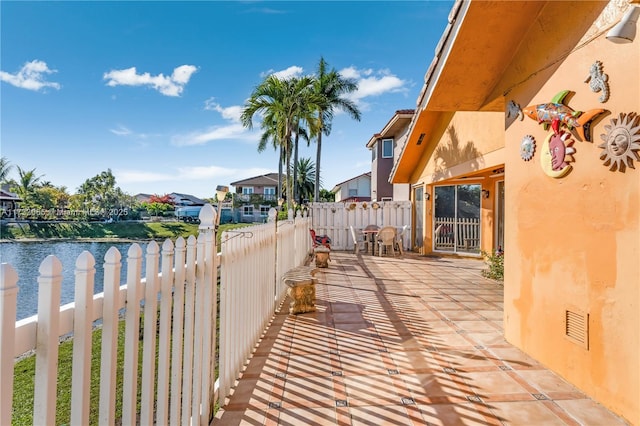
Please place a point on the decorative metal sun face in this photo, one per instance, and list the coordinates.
(621, 143)
(527, 147)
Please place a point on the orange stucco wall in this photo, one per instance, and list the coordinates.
(574, 242)
(463, 144)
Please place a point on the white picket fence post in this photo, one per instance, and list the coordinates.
(177, 332)
(108, 359)
(82, 333)
(44, 399)
(8, 301)
(132, 335)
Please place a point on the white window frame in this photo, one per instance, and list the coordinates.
(247, 190)
(246, 208)
(390, 141)
(264, 210)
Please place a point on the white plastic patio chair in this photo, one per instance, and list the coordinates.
(399, 237)
(387, 240)
(359, 239)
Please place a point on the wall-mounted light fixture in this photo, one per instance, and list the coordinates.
(625, 30)
(485, 193)
(427, 196)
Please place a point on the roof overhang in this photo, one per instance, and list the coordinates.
(397, 123)
(485, 51)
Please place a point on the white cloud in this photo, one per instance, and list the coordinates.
(121, 131)
(226, 132)
(373, 83)
(292, 71)
(30, 77)
(231, 113)
(167, 85)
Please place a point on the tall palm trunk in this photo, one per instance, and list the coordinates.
(295, 164)
(316, 187)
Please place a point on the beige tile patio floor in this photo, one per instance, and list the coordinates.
(409, 340)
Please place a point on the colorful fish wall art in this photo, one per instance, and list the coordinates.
(566, 116)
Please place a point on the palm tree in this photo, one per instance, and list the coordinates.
(331, 87)
(306, 177)
(27, 182)
(5, 169)
(282, 103)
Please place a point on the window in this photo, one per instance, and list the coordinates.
(247, 190)
(264, 210)
(269, 190)
(387, 148)
(353, 192)
(247, 210)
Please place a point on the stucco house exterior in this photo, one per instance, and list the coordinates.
(385, 148)
(527, 133)
(355, 189)
(254, 197)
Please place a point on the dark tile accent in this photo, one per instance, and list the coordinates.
(391, 372)
(480, 347)
(333, 351)
(341, 403)
(336, 373)
(474, 398)
(461, 331)
(432, 349)
(540, 396)
(504, 367)
(408, 401)
(274, 405)
(449, 370)
(280, 375)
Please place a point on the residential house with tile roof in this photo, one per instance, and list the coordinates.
(355, 189)
(385, 149)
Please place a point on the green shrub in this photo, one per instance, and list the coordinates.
(495, 261)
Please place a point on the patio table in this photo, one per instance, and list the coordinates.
(371, 231)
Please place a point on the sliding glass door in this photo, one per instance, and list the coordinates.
(457, 218)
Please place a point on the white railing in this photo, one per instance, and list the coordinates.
(177, 298)
(334, 219)
(461, 234)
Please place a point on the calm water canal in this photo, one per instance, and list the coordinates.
(25, 257)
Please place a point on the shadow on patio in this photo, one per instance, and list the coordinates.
(399, 341)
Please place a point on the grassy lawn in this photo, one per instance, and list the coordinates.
(24, 377)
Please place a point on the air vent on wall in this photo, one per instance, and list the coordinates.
(576, 327)
(420, 139)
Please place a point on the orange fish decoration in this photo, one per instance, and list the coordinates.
(557, 110)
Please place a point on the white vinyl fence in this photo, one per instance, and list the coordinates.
(177, 298)
(334, 219)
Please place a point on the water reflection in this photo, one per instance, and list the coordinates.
(25, 257)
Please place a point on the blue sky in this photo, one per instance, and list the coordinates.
(154, 90)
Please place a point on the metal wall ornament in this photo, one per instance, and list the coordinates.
(545, 114)
(527, 147)
(598, 81)
(621, 143)
(514, 110)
